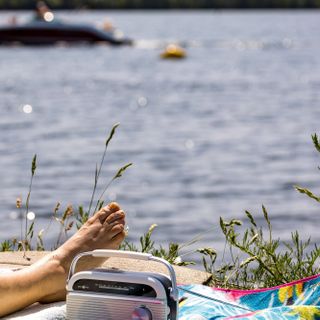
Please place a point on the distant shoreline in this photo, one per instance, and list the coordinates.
(165, 4)
(169, 9)
(163, 9)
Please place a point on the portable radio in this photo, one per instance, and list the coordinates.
(113, 294)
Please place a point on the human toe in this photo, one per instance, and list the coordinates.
(114, 217)
(118, 239)
(106, 211)
(114, 229)
(114, 206)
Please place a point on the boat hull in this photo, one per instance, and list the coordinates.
(43, 33)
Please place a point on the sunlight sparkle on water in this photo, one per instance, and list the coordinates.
(48, 16)
(189, 144)
(142, 101)
(31, 215)
(27, 108)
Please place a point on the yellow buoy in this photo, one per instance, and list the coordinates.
(173, 51)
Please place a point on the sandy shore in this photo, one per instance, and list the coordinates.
(12, 260)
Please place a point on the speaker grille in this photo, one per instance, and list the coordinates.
(84, 307)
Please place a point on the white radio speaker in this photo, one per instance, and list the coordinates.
(113, 294)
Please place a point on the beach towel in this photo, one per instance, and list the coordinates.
(295, 300)
(51, 311)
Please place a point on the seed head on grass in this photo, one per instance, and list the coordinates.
(68, 213)
(307, 192)
(34, 165)
(56, 208)
(112, 132)
(121, 171)
(18, 203)
(316, 141)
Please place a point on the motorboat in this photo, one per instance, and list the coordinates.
(39, 32)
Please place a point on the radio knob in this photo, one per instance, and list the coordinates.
(141, 313)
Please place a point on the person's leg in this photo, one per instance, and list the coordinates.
(45, 280)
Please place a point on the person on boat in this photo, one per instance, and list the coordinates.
(13, 20)
(107, 26)
(45, 280)
(43, 13)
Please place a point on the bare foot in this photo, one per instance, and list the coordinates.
(45, 280)
(105, 230)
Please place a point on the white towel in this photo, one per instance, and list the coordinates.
(51, 311)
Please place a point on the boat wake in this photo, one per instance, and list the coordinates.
(236, 44)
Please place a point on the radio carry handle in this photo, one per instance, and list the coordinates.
(103, 253)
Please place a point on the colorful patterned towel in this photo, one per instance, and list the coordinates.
(295, 300)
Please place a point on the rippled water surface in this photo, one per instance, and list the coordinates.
(224, 130)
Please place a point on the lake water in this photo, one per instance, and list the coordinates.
(225, 130)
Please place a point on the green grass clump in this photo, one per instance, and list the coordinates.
(256, 259)
(146, 245)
